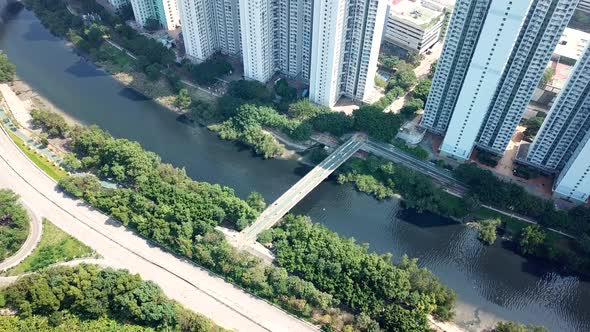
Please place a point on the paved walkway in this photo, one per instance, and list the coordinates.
(16, 106)
(35, 231)
(192, 286)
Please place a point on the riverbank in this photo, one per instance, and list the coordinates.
(489, 279)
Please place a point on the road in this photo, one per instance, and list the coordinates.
(35, 230)
(297, 192)
(194, 287)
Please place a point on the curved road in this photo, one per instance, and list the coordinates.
(194, 287)
(30, 244)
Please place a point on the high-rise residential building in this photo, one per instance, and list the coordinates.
(543, 28)
(210, 26)
(573, 182)
(563, 142)
(257, 18)
(332, 44)
(164, 11)
(566, 124)
(118, 3)
(496, 54)
(462, 37)
(584, 6)
(412, 25)
(345, 47)
(276, 37)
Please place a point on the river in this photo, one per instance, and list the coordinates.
(492, 282)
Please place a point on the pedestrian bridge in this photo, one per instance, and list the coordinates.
(296, 193)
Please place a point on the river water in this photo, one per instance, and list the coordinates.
(492, 282)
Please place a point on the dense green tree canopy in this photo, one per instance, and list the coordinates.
(372, 120)
(396, 296)
(14, 223)
(7, 69)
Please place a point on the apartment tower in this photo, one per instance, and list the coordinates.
(462, 36)
(276, 37)
(210, 26)
(563, 142)
(164, 11)
(543, 27)
(494, 56)
(346, 40)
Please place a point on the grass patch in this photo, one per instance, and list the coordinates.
(55, 246)
(49, 168)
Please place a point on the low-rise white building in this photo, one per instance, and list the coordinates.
(413, 25)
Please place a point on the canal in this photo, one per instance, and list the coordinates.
(492, 282)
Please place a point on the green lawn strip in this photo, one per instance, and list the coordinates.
(55, 246)
(55, 172)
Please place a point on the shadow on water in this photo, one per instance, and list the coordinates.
(81, 70)
(132, 94)
(37, 32)
(424, 219)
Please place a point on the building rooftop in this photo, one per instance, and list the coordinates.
(414, 11)
(572, 43)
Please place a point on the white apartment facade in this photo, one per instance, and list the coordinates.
(345, 49)
(413, 26)
(584, 6)
(543, 28)
(567, 121)
(573, 183)
(500, 32)
(210, 26)
(257, 39)
(462, 37)
(165, 11)
(276, 37)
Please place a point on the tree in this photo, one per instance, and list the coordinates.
(376, 123)
(95, 34)
(183, 100)
(414, 58)
(411, 107)
(14, 223)
(248, 90)
(335, 123)
(70, 161)
(304, 109)
(517, 327)
(422, 90)
(547, 77)
(487, 230)
(153, 71)
(43, 141)
(404, 78)
(207, 72)
(380, 82)
(531, 239)
(389, 62)
(256, 201)
(532, 126)
(53, 123)
(283, 89)
(7, 69)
